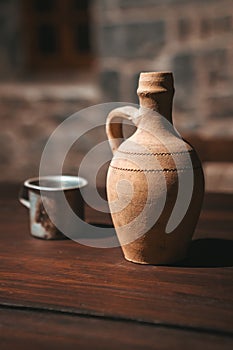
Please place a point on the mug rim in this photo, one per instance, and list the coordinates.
(28, 182)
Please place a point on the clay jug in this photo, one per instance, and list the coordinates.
(155, 182)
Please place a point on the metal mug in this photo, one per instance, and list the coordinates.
(36, 191)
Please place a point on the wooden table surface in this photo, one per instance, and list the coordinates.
(62, 295)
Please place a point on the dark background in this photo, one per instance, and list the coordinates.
(57, 57)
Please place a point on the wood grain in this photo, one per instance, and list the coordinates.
(65, 276)
(45, 330)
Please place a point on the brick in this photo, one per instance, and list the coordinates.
(109, 81)
(139, 3)
(184, 76)
(132, 40)
(144, 39)
(108, 4)
(215, 64)
(217, 25)
(110, 40)
(184, 28)
(146, 3)
(220, 107)
(223, 24)
(206, 26)
(183, 68)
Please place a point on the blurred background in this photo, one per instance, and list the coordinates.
(57, 57)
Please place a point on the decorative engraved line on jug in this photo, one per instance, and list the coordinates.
(156, 153)
(155, 170)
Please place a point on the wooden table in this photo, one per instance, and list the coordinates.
(62, 295)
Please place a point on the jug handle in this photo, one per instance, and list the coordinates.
(114, 124)
(23, 196)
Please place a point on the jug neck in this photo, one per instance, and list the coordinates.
(156, 91)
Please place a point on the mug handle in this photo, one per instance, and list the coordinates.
(114, 124)
(23, 196)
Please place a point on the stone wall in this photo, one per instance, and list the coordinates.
(192, 38)
(30, 113)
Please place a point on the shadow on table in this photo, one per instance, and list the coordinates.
(209, 253)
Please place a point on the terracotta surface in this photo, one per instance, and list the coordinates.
(155, 182)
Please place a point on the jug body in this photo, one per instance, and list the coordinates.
(155, 182)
